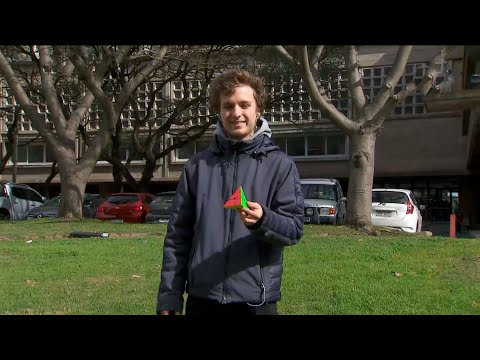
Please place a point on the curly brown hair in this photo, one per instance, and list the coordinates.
(227, 82)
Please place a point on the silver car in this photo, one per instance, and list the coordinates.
(16, 200)
(324, 202)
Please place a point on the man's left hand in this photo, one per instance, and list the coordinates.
(251, 215)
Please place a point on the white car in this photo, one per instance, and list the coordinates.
(396, 208)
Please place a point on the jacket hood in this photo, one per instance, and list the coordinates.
(259, 144)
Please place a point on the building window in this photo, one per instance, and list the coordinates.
(315, 145)
(189, 149)
(128, 152)
(312, 145)
(296, 146)
(34, 153)
(281, 142)
(336, 145)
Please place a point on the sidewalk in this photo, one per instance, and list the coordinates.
(475, 233)
(442, 228)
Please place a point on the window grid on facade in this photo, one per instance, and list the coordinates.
(127, 116)
(67, 103)
(196, 115)
(291, 101)
(93, 117)
(24, 122)
(143, 98)
(374, 77)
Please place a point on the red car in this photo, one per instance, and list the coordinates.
(125, 207)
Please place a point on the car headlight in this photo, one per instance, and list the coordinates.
(309, 211)
(324, 211)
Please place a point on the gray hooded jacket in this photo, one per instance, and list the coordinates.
(208, 250)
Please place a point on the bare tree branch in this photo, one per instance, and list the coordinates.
(354, 80)
(139, 78)
(294, 62)
(53, 172)
(388, 86)
(316, 56)
(386, 110)
(334, 115)
(48, 89)
(434, 70)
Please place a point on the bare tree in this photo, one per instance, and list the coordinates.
(184, 118)
(46, 71)
(368, 116)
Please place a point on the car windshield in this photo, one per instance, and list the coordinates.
(319, 191)
(123, 199)
(52, 202)
(394, 197)
(164, 199)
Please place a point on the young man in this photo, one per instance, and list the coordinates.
(230, 261)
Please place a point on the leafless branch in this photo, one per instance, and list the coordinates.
(334, 115)
(354, 79)
(393, 77)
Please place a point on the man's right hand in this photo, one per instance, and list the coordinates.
(168, 312)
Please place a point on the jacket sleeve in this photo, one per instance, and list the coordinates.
(176, 248)
(283, 222)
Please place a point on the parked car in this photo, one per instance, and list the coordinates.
(125, 207)
(323, 201)
(49, 209)
(160, 208)
(396, 208)
(16, 200)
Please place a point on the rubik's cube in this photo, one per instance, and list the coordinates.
(237, 200)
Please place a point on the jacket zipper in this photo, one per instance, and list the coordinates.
(232, 214)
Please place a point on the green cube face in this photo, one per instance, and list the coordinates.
(244, 199)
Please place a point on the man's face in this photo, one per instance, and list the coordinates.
(239, 113)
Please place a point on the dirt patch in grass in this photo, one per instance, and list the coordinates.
(67, 236)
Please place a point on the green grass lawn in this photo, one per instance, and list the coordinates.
(333, 270)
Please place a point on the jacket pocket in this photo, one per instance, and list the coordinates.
(191, 259)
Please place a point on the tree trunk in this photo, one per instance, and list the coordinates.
(73, 181)
(360, 182)
(117, 178)
(71, 197)
(147, 174)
